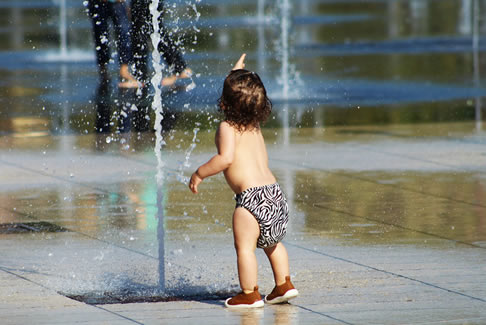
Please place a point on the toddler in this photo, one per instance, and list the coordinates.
(261, 214)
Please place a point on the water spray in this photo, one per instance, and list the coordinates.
(159, 141)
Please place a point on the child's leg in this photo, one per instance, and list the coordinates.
(246, 231)
(279, 260)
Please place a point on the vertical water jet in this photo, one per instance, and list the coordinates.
(158, 108)
(476, 65)
(62, 29)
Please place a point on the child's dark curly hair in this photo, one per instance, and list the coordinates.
(244, 100)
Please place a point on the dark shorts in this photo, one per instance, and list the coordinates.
(269, 207)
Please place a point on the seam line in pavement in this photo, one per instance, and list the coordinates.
(4, 269)
(117, 314)
(367, 148)
(386, 272)
(305, 166)
(47, 288)
(410, 190)
(95, 238)
(67, 180)
(320, 205)
(322, 314)
(462, 320)
(85, 235)
(39, 172)
(423, 137)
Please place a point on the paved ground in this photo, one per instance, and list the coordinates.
(385, 230)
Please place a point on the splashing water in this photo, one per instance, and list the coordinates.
(62, 29)
(180, 177)
(289, 78)
(284, 43)
(192, 15)
(157, 106)
(156, 82)
(159, 141)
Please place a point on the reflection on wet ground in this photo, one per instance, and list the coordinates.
(399, 208)
(359, 202)
(366, 203)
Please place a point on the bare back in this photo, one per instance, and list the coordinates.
(250, 163)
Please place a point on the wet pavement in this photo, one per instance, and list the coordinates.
(379, 145)
(384, 229)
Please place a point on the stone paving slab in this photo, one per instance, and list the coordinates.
(364, 268)
(26, 302)
(337, 289)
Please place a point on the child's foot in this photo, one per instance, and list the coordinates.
(245, 300)
(184, 74)
(282, 293)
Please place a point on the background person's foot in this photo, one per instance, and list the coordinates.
(186, 73)
(171, 80)
(130, 84)
(128, 80)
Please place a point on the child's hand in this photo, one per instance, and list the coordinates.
(241, 63)
(194, 182)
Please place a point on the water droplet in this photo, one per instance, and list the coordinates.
(108, 139)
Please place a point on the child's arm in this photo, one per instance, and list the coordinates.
(225, 142)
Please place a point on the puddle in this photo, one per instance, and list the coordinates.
(423, 206)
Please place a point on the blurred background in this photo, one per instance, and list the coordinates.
(351, 62)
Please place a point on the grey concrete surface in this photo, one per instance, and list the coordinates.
(383, 231)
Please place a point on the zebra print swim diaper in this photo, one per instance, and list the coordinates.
(269, 207)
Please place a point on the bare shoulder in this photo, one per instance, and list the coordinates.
(225, 128)
(225, 131)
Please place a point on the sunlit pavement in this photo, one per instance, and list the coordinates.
(388, 226)
(379, 147)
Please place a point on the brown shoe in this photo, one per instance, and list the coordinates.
(245, 300)
(282, 293)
